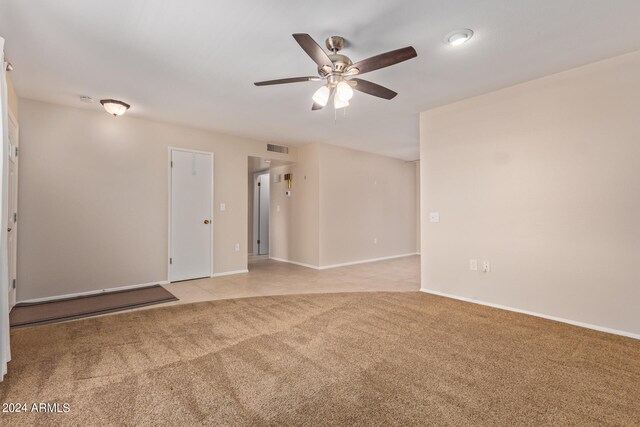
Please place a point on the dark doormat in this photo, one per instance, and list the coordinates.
(40, 313)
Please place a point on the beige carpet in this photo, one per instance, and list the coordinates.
(349, 359)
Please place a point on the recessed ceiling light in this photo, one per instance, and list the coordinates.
(458, 37)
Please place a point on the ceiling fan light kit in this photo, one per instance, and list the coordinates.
(339, 103)
(321, 96)
(339, 71)
(344, 91)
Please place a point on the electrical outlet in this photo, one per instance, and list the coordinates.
(375, 240)
(486, 266)
(473, 264)
(237, 247)
(223, 207)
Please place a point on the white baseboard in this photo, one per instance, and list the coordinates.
(229, 273)
(96, 292)
(531, 313)
(365, 261)
(315, 267)
(345, 264)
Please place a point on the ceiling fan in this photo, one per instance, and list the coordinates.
(339, 71)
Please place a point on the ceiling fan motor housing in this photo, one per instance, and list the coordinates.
(340, 62)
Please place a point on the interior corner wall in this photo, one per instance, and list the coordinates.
(93, 203)
(367, 206)
(543, 180)
(294, 220)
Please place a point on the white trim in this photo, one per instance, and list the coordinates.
(315, 267)
(364, 261)
(14, 120)
(96, 292)
(327, 267)
(532, 313)
(213, 206)
(229, 273)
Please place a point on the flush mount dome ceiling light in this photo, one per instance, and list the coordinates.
(115, 107)
(458, 37)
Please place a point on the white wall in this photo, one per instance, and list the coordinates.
(341, 199)
(294, 229)
(543, 180)
(93, 198)
(363, 197)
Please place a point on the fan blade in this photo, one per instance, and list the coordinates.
(384, 60)
(289, 80)
(373, 89)
(314, 50)
(316, 106)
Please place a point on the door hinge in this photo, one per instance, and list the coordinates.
(259, 184)
(15, 217)
(170, 260)
(258, 241)
(14, 283)
(16, 155)
(171, 163)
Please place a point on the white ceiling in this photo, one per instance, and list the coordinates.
(194, 62)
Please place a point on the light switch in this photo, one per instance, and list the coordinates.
(277, 208)
(434, 217)
(223, 207)
(473, 264)
(237, 247)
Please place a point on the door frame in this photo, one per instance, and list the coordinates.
(169, 207)
(14, 145)
(256, 209)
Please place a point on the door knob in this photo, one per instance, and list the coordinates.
(206, 221)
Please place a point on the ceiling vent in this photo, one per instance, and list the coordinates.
(278, 148)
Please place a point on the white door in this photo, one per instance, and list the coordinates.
(191, 215)
(263, 214)
(12, 211)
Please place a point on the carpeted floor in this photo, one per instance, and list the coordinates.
(350, 359)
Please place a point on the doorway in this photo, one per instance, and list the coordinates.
(190, 215)
(261, 214)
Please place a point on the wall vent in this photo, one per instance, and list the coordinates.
(278, 148)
